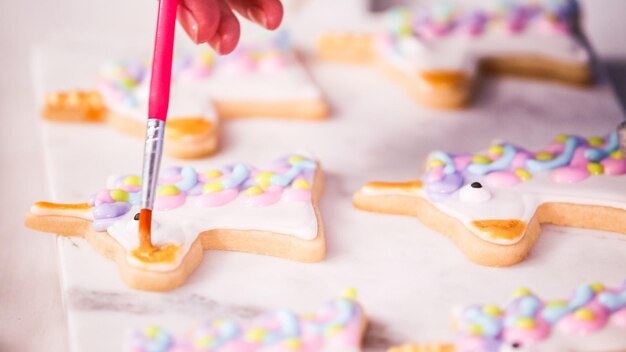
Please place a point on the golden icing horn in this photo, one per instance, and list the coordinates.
(346, 47)
(74, 106)
(431, 347)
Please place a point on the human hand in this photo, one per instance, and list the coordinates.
(213, 21)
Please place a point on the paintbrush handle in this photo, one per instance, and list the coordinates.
(162, 60)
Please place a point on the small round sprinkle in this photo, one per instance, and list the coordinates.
(119, 195)
(212, 187)
(492, 310)
(475, 329)
(168, 190)
(525, 323)
(132, 181)
(349, 293)
(595, 141)
(544, 156)
(597, 287)
(480, 159)
(435, 163)
(496, 150)
(253, 191)
(301, 184)
(595, 168)
(523, 174)
(213, 173)
(522, 291)
(296, 159)
(557, 304)
(617, 154)
(561, 138)
(584, 314)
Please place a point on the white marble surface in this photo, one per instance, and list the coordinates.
(408, 276)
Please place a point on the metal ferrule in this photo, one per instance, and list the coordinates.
(621, 136)
(153, 149)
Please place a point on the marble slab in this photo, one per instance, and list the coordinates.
(408, 277)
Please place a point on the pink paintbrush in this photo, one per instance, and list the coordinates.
(157, 114)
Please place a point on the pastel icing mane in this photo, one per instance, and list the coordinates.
(277, 199)
(337, 326)
(592, 319)
(503, 194)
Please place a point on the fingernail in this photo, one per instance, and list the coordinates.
(215, 44)
(189, 24)
(257, 15)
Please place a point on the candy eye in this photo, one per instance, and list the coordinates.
(474, 193)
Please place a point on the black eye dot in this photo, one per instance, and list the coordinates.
(136, 217)
(516, 345)
(476, 185)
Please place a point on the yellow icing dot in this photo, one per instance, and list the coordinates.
(492, 310)
(128, 82)
(333, 329)
(480, 159)
(595, 141)
(168, 190)
(544, 156)
(597, 287)
(584, 314)
(525, 323)
(595, 168)
(522, 291)
(119, 195)
(496, 150)
(349, 293)
(475, 329)
(433, 163)
(213, 173)
(293, 343)
(617, 154)
(151, 331)
(561, 138)
(206, 58)
(523, 174)
(255, 334)
(556, 304)
(302, 184)
(296, 159)
(211, 187)
(203, 342)
(263, 179)
(132, 181)
(253, 191)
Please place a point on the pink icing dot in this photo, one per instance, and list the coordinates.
(110, 92)
(570, 174)
(268, 197)
(462, 162)
(103, 196)
(131, 188)
(274, 62)
(217, 199)
(540, 332)
(619, 317)
(614, 167)
(435, 174)
(169, 202)
(519, 160)
(297, 194)
(170, 180)
(578, 159)
(502, 179)
(554, 148)
(572, 325)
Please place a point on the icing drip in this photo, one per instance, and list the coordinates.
(337, 326)
(529, 322)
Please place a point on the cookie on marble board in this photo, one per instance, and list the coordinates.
(491, 204)
(238, 207)
(592, 319)
(339, 326)
(263, 78)
(439, 52)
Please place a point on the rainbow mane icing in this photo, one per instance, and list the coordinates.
(337, 326)
(569, 159)
(528, 321)
(289, 178)
(511, 17)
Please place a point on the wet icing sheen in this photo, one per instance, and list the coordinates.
(452, 37)
(592, 319)
(188, 202)
(336, 327)
(496, 193)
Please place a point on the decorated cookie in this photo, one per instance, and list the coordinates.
(491, 204)
(260, 79)
(337, 327)
(592, 319)
(438, 52)
(237, 207)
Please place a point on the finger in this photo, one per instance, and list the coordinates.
(226, 37)
(199, 18)
(267, 13)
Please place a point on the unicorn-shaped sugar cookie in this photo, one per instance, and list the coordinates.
(491, 205)
(237, 207)
(438, 52)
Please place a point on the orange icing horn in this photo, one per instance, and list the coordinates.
(187, 126)
(431, 347)
(409, 187)
(86, 106)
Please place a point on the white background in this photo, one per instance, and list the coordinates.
(31, 314)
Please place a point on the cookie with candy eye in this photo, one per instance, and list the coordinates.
(263, 78)
(531, 324)
(238, 207)
(491, 204)
(438, 52)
